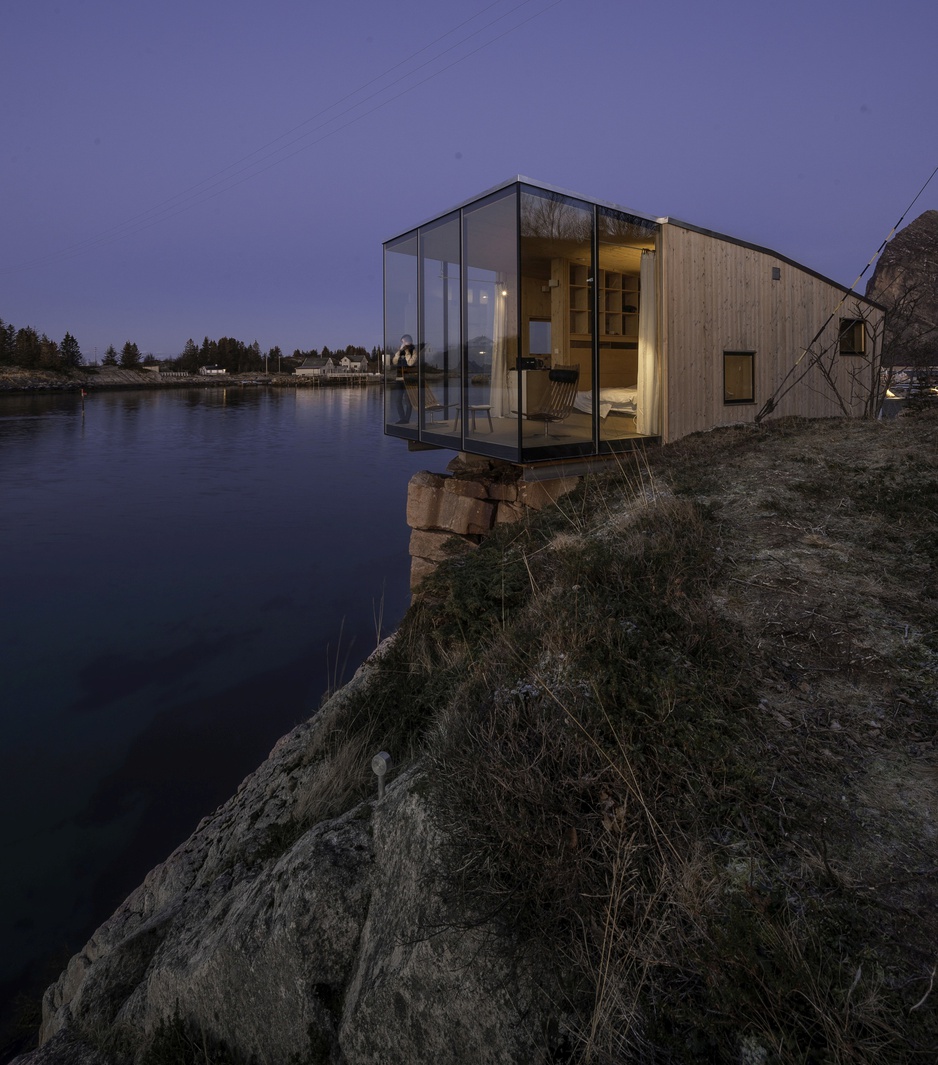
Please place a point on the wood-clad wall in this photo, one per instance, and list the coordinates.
(719, 296)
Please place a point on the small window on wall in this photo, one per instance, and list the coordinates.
(539, 336)
(738, 378)
(852, 336)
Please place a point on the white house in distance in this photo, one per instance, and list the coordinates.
(351, 365)
(316, 367)
(548, 326)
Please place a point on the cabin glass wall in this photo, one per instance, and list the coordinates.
(549, 386)
(400, 320)
(440, 365)
(626, 315)
(490, 295)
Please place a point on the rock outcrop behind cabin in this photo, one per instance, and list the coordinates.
(905, 281)
(324, 947)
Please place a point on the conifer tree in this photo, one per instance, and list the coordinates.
(28, 348)
(130, 356)
(7, 343)
(69, 351)
(49, 358)
(189, 359)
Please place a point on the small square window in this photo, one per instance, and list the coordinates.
(738, 377)
(852, 336)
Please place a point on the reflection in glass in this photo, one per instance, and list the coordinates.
(400, 327)
(440, 363)
(491, 309)
(549, 387)
(738, 377)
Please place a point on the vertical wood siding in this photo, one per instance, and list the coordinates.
(719, 296)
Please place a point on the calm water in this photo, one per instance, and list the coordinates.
(182, 574)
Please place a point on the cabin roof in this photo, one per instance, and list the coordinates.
(521, 179)
(659, 219)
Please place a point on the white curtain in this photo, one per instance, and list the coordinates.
(648, 401)
(498, 386)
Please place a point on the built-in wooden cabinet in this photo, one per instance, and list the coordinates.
(618, 303)
(578, 296)
(570, 288)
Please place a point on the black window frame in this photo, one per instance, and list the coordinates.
(852, 329)
(751, 355)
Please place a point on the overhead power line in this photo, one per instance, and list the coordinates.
(277, 151)
(780, 390)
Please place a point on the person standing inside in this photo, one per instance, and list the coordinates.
(404, 359)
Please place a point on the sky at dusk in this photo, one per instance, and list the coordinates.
(204, 168)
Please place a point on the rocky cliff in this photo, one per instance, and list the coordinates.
(665, 792)
(905, 280)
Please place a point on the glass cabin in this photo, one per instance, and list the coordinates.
(522, 326)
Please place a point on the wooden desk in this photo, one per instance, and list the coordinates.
(531, 386)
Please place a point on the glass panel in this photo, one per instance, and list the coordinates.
(737, 377)
(491, 309)
(440, 347)
(852, 336)
(627, 317)
(550, 384)
(400, 331)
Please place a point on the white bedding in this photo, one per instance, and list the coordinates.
(618, 399)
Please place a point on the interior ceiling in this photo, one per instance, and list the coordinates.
(493, 246)
(625, 260)
(536, 255)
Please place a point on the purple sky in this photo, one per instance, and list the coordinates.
(230, 168)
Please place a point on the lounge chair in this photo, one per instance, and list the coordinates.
(558, 399)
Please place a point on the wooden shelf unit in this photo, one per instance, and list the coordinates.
(618, 303)
(579, 301)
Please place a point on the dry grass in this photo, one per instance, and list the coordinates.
(694, 751)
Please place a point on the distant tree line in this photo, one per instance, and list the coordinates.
(129, 357)
(236, 356)
(33, 351)
(232, 355)
(27, 349)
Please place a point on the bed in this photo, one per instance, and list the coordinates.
(621, 400)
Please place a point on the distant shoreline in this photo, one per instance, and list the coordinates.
(14, 381)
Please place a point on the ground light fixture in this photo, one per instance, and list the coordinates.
(380, 764)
